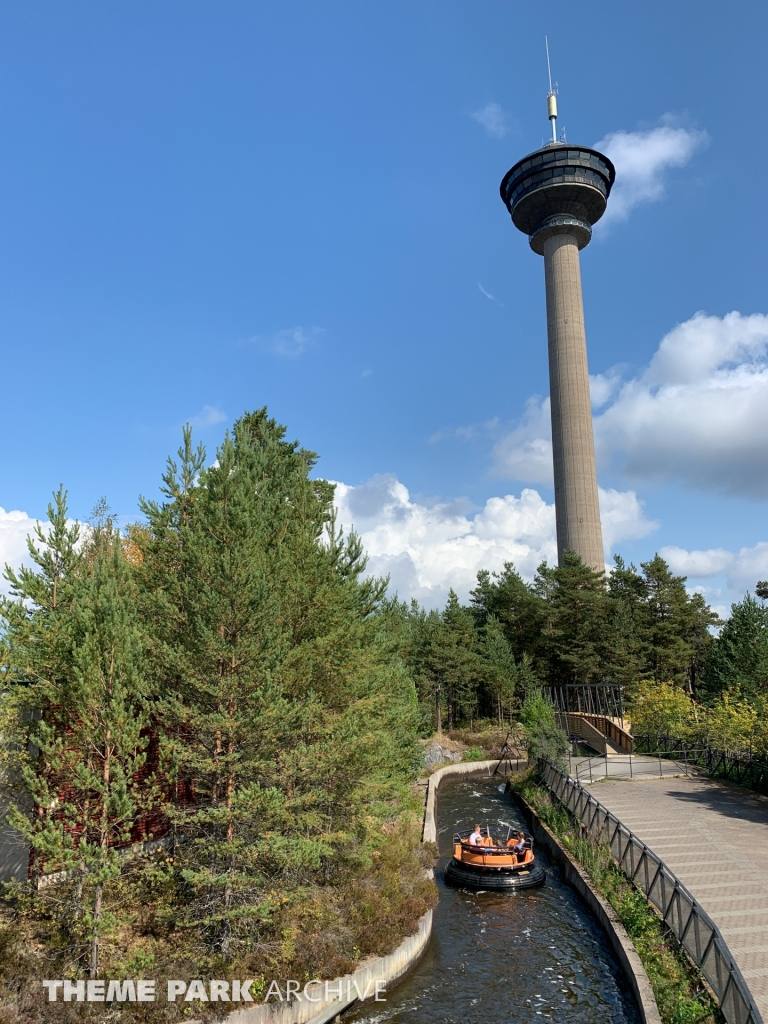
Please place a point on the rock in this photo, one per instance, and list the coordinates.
(434, 755)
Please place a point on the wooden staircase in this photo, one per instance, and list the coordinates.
(608, 736)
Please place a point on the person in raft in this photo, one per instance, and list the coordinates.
(476, 837)
(519, 843)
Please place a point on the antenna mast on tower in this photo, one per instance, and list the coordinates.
(551, 97)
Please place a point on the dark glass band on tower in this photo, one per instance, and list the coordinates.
(558, 186)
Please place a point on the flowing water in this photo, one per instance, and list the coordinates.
(505, 957)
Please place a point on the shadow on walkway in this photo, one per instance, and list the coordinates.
(726, 798)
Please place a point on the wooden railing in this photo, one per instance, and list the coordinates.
(605, 727)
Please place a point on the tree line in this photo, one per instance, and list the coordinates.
(570, 625)
(634, 628)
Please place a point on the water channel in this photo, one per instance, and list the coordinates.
(501, 958)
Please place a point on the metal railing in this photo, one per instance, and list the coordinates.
(684, 918)
(721, 764)
(595, 698)
(635, 766)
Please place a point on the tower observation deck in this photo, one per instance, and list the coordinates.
(555, 195)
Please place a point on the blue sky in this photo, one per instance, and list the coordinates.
(211, 207)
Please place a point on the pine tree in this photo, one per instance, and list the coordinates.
(627, 594)
(738, 657)
(282, 708)
(410, 629)
(454, 660)
(577, 614)
(73, 639)
(675, 626)
(515, 604)
(498, 667)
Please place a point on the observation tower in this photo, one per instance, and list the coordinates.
(555, 195)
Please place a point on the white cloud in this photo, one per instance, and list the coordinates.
(741, 569)
(493, 119)
(477, 430)
(526, 452)
(697, 415)
(693, 350)
(468, 433)
(207, 417)
(603, 386)
(15, 527)
(488, 295)
(290, 342)
(426, 549)
(642, 160)
(621, 514)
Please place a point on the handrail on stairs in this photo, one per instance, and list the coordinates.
(579, 723)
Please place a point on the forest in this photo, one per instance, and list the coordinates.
(684, 673)
(213, 718)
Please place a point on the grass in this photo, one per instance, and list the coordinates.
(677, 984)
(488, 736)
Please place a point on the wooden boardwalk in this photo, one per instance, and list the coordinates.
(714, 837)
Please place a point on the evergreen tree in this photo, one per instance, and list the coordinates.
(675, 626)
(498, 668)
(515, 604)
(576, 626)
(283, 709)
(81, 705)
(572, 626)
(411, 629)
(454, 660)
(738, 658)
(627, 593)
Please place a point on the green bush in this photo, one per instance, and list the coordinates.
(536, 710)
(543, 739)
(474, 754)
(545, 742)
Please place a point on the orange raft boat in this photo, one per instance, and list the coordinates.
(493, 864)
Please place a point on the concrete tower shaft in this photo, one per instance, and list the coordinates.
(555, 195)
(577, 510)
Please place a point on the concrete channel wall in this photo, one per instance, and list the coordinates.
(331, 998)
(579, 881)
(362, 983)
(468, 768)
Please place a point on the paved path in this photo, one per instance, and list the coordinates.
(694, 824)
(634, 766)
